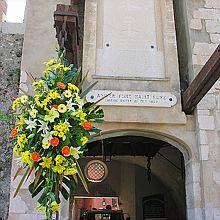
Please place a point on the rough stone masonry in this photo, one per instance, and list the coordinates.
(11, 41)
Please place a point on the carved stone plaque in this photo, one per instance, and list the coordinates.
(133, 98)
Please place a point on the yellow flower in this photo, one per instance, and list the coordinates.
(54, 207)
(66, 68)
(50, 62)
(67, 93)
(61, 134)
(41, 208)
(16, 103)
(62, 108)
(47, 162)
(22, 140)
(52, 115)
(26, 158)
(55, 133)
(54, 95)
(73, 87)
(33, 113)
(58, 169)
(36, 99)
(17, 150)
(46, 145)
(44, 103)
(59, 159)
(70, 171)
(75, 152)
(23, 99)
(62, 127)
(79, 114)
(84, 140)
(21, 122)
(39, 83)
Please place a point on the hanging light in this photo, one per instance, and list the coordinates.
(103, 202)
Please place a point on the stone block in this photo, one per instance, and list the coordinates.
(14, 216)
(216, 213)
(206, 122)
(200, 59)
(207, 103)
(13, 28)
(15, 183)
(212, 4)
(203, 138)
(196, 24)
(204, 13)
(17, 205)
(213, 26)
(204, 152)
(204, 48)
(195, 214)
(218, 101)
(203, 112)
(216, 176)
(215, 38)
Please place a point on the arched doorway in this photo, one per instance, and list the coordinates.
(146, 173)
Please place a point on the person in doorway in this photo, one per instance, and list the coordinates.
(108, 207)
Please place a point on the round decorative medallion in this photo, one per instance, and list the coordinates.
(96, 171)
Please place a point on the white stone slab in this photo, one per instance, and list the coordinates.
(133, 98)
(128, 48)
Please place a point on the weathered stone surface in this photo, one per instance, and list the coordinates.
(204, 48)
(215, 38)
(213, 26)
(206, 122)
(212, 4)
(204, 13)
(196, 24)
(10, 58)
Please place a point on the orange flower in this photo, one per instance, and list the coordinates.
(14, 133)
(87, 125)
(54, 142)
(35, 156)
(61, 85)
(55, 107)
(66, 151)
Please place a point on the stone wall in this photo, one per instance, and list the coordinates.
(204, 29)
(11, 40)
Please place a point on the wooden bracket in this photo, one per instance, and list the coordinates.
(66, 24)
(202, 83)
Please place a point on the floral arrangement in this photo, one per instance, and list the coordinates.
(53, 127)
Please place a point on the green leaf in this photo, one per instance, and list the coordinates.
(38, 189)
(95, 103)
(69, 76)
(65, 193)
(83, 81)
(76, 77)
(95, 130)
(37, 177)
(81, 176)
(22, 181)
(32, 168)
(18, 172)
(43, 197)
(86, 91)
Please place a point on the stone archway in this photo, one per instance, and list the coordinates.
(192, 172)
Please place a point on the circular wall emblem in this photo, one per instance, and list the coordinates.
(96, 171)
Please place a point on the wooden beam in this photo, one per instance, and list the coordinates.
(66, 24)
(202, 83)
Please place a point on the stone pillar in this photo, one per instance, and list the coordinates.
(39, 46)
(127, 197)
(204, 37)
